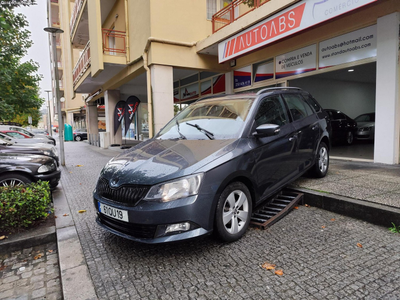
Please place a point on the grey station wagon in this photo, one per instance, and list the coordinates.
(210, 165)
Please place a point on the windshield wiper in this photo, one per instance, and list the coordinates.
(210, 135)
(180, 134)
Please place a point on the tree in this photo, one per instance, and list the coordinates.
(19, 88)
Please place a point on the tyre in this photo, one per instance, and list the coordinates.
(320, 168)
(11, 180)
(233, 212)
(78, 138)
(349, 138)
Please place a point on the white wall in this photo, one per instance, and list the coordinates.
(353, 98)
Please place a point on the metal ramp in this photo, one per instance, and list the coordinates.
(267, 214)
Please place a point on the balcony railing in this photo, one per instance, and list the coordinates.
(233, 11)
(114, 41)
(82, 65)
(75, 12)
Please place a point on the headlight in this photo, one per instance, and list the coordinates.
(47, 152)
(47, 168)
(177, 189)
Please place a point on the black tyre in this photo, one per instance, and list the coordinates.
(349, 138)
(320, 168)
(11, 180)
(233, 212)
(78, 138)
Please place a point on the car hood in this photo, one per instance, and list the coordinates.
(41, 149)
(155, 161)
(365, 124)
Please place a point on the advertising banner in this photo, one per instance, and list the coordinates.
(242, 77)
(295, 18)
(131, 106)
(296, 62)
(119, 113)
(348, 47)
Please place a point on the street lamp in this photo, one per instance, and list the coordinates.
(54, 31)
(49, 113)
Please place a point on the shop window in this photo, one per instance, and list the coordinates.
(263, 71)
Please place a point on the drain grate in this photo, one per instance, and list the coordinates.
(274, 210)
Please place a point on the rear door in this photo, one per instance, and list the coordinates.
(307, 129)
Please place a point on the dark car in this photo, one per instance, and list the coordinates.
(21, 168)
(80, 134)
(343, 127)
(209, 166)
(365, 127)
(40, 149)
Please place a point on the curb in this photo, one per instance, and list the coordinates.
(373, 213)
(34, 238)
(75, 277)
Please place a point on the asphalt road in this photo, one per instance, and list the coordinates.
(322, 255)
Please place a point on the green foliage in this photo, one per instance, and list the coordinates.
(395, 229)
(19, 88)
(21, 205)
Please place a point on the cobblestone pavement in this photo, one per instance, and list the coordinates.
(322, 255)
(32, 273)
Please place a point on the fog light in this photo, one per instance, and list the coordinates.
(178, 227)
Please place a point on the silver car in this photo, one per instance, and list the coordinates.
(366, 127)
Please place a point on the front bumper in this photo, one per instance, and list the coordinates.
(53, 178)
(148, 220)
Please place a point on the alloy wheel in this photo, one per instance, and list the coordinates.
(235, 212)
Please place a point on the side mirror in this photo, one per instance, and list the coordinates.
(266, 130)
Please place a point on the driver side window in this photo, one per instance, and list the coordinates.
(271, 111)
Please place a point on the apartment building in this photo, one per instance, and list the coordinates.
(168, 53)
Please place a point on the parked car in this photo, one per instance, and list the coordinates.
(211, 164)
(366, 127)
(40, 149)
(22, 168)
(27, 132)
(343, 127)
(22, 140)
(80, 134)
(39, 131)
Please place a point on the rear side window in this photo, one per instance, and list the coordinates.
(298, 108)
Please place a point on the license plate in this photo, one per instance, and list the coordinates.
(113, 212)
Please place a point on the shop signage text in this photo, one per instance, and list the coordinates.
(296, 62)
(303, 15)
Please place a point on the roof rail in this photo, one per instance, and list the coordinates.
(277, 88)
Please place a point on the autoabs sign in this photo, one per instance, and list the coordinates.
(302, 15)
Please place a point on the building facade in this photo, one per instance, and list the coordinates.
(168, 53)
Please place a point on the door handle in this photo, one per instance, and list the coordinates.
(291, 139)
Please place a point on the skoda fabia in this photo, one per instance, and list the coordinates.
(211, 165)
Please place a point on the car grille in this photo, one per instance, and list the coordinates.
(126, 194)
(134, 230)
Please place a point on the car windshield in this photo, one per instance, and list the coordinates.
(365, 118)
(209, 119)
(5, 139)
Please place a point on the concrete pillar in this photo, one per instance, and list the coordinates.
(229, 82)
(111, 98)
(163, 95)
(387, 120)
(92, 122)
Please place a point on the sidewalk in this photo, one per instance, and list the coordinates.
(361, 190)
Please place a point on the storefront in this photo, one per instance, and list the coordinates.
(345, 53)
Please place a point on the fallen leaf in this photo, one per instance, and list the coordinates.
(296, 207)
(323, 226)
(50, 251)
(268, 266)
(279, 272)
(79, 166)
(37, 256)
(65, 215)
(55, 217)
(81, 211)
(2, 267)
(2, 237)
(333, 220)
(306, 205)
(359, 245)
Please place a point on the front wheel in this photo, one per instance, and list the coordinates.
(233, 212)
(78, 138)
(12, 180)
(321, 166)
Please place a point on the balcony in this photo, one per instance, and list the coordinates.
(233, 11)
(113, 42)
(75, 13)
(82, 65)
